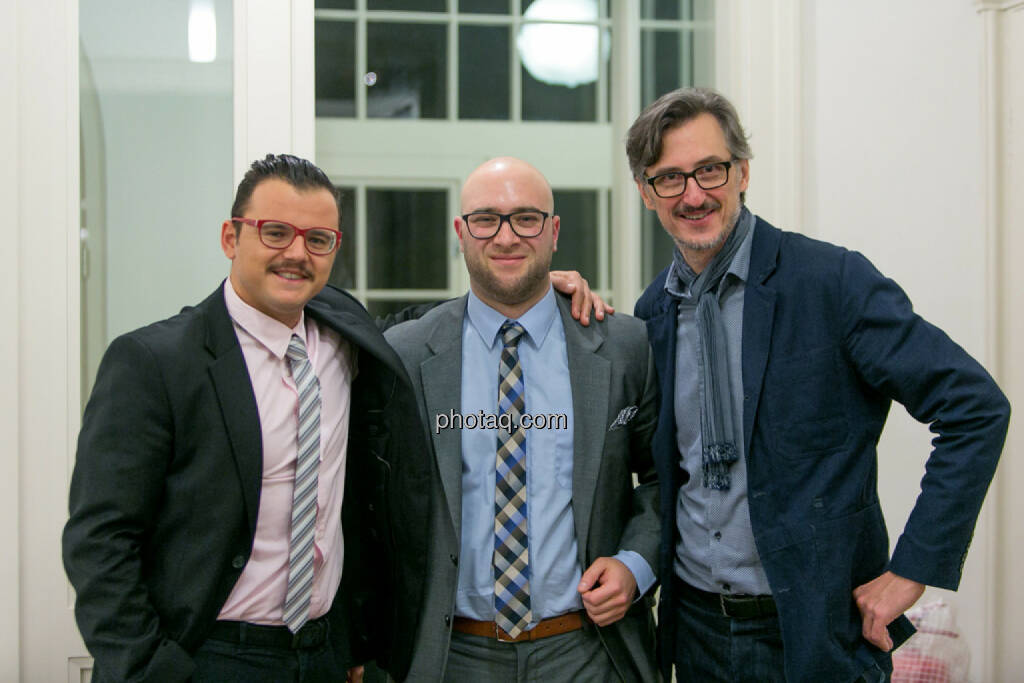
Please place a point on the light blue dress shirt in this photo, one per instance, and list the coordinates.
(716, 550)
(554, 567)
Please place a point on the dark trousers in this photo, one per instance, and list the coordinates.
(713, 648)
(219, 661)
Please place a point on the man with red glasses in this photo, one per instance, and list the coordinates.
(247, 469)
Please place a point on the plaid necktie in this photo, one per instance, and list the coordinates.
(307, 463)
(511, 547)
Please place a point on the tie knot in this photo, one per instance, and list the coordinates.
(511, 332)
(296, 349)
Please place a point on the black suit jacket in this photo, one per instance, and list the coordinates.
(166, 487)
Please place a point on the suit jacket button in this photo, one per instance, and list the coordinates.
(238, 562)
(454, 559)
(447, 620)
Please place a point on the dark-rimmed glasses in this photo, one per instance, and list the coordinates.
(707, 177)
(280, 235)
(486, 224)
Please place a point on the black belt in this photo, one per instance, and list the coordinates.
(312, 634)
(735, 606)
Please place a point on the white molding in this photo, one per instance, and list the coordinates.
(80, 669)
(10, 376)
(760, 72)
(998, 5)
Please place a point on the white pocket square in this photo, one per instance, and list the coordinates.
(625, 415)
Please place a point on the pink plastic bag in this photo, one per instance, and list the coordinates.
(936, 653)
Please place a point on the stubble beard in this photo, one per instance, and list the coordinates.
(519, 291)
(716, 243)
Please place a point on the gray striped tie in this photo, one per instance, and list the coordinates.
(307, 463)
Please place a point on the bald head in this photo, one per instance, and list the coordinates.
(507, 270)
(503, 180)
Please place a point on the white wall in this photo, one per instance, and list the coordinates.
(894, 167)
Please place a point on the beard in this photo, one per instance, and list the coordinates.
(521, 290)
(718, 240)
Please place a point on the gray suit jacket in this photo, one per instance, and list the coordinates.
(611, 368)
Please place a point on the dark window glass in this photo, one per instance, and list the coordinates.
(407, 238)
(335, 4)
(544, 102)
(578, 236)
(408, 5)
(484, 6)
(657, 246)
(409, 63)
(484, 87)
(335, 50)
(343, 273)
(685, 10)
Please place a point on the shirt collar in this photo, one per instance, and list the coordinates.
(536, 321)
(271, 333)
(681, 276)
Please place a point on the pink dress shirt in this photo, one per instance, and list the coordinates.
(258, 596)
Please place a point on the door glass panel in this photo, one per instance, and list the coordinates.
(578, 236)
(156, 157)
(484, 75)
(335, 45)
(407, 233)
(409, 67)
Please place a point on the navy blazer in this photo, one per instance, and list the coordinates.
(828, 344)
(166, 487)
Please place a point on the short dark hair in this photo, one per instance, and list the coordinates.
(300, 173)
(643, 142)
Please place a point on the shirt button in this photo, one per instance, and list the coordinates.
(238, 562)
(718, 535)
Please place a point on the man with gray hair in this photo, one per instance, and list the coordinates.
(778, 358)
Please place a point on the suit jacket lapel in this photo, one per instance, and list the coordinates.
(590, 379)
(758, 315)
(441, 375)
(238, 409)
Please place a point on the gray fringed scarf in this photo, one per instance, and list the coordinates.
(718, 441)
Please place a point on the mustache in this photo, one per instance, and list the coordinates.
(297, 266)
(708, 205)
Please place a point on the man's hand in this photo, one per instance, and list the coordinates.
(882, 600)
(607, 589)
(583, 300)
(355, 675)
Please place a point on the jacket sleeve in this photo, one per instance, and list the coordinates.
(124, 449)
(911, 361)
(642, 533)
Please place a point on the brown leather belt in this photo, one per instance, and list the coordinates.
(554, 626)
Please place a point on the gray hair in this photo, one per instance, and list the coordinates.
(643, 142)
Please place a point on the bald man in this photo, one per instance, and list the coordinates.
(541, 548)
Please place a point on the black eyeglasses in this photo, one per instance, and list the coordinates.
(280, 235)
(707, 177)
(484, 225)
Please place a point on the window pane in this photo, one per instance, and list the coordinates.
(544, 102)
(335, 45)
(335, 4)
(657, 246)
(675, 59)
(560, 66)
(579, 233)
(343, 274)
(687, 10)
(484, 6)
(484, 88)
(408, 5)
(410, 62)
(403, 223)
